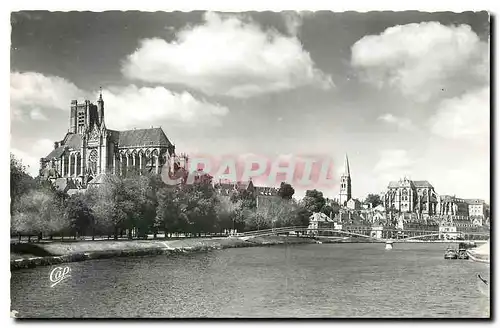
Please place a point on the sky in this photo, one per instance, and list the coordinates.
(402, 93)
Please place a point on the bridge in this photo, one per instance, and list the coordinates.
(369, 234)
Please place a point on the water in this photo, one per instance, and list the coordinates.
(329, 280)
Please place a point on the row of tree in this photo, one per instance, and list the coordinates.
(144, 204)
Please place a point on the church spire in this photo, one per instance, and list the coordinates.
(345, 184)
(100, 108)
(347, 172)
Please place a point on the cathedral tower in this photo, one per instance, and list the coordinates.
(345, 184)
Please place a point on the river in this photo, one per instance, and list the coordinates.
(305, 281)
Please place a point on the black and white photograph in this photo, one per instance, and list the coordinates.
(254, 164)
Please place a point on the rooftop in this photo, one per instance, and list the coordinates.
(143, 138)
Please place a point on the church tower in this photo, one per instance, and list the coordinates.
(345, 184)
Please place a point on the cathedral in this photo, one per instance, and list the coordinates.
(412, 196)
(89, 150)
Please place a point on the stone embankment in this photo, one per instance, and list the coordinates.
(50, 253)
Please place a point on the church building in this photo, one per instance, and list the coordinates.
(411, 196)
(90, 150)
(345, 184)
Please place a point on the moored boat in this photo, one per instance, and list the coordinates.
(467, 245)
(462, 254)
(450, 254)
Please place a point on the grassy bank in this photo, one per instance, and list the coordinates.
(50, 253)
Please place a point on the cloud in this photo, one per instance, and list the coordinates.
(131, 106)
(37, 115)
(293, 21)
(31, 157)
(423, 60)
(400, 122)
(393, 160)
(464, 118)
(34, 94)
(392, 165)
(226, 55)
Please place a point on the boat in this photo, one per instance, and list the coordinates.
(450, 254)
(462, 254)
(388, 244)
(467, 245)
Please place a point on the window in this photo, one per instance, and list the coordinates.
(93, 161)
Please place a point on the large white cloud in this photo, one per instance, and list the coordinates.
(131, 106)
(464, 118)
(227, 55)
(423, 60)
(33, 95)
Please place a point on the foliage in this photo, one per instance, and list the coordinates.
(334, 207)
(227, 212)
(79, 214)
(327, 210)
(20, 181)
(301, 216)
(314, 201)
(286, 191)
(144, 203)
(39, 211)
(373, 199)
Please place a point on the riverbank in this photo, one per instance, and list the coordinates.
(50, 253)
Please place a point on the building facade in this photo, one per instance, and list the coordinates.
(477, 208)
(451, 205)
(264, 196)
(353, 204)
(89, 149)
(410, 196)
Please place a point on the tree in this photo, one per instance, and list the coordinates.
(373, 199)
(226, 213)
(117, 203)
(332, 208)
(191, 208)
(245, 197)
(314, 201)
(20, 181)
(167, 211)
(301, 216)
(327, 210)
(79, 214)
(39, 212)
(286, 191)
